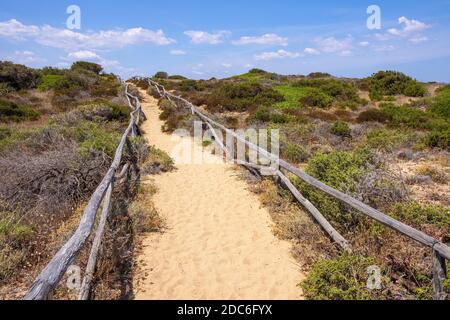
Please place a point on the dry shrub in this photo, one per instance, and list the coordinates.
(437, 175)
(51, 182)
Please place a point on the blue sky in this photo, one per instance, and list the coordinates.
(202, 39)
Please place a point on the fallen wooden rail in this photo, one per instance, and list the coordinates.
(57, 267)
(441, 252)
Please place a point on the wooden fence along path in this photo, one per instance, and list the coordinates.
(49, 278)
(440, 251)
(55, 270)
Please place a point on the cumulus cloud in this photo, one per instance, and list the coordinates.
(87, 55)
(227, 65)
(280, 54)
(409, 27)
(332, 45)
(70, 40)
(364, 43)
(26, 57)
(201, 37)
(267, 39)
(178, 52)
(311, 51)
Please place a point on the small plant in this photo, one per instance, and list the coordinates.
(293, 152)
(10, 111)
(316, 98)
(341, 129)
(341, 278)
(437, 175)
(418, 214)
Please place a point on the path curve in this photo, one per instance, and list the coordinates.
(219, 244)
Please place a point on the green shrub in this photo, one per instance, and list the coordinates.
(438, 139)
(295, 153)
(17, 76)
(190, 85)
(440, 105)
(341, 129)
(337, 89)
(93, 138)
(373, 115)
(87, 66)
(9, 111)
(418, 214)
(263, 115)
(316, 98)
(49, 82)
(342, 171)
(161, 75)
(386, 139)
(341, 278)
(389, 83)
(177, 77)
(281, 118)
(5, 88)
(241, 97)
(406, 115)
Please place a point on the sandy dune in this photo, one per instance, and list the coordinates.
(219, 243)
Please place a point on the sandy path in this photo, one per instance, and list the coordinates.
(219, 243)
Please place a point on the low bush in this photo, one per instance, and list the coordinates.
(373, 115)
(341, 170)
(87, 66)
(342, 278)
(241, 97)
(389, 83)
(161, 75)
(18, 76)
(419, 214)
(440, 105)
(386, 139)
(341, 129)
(10, 111)
(438, 139)
(316, 98)
(49, 82)
(294, 153)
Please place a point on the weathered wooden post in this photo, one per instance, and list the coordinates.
(439, 275)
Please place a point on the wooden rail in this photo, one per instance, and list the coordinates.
(57, 267)
(441, 252)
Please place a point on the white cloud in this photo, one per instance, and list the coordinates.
(87, 55)
(70, 40)
(267, 39)
(311, 51)
(346, 53)
(364, 43)
(200, 37)
(331, 44)
(26, 57)
(384, 48)
(280, 54)
(409, 27)
(16, 30)
(178, 52)
(227, 65)
(418, 39)
(84, 54)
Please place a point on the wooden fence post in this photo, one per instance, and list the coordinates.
(439, 276)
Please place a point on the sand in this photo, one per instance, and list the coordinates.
(219, 242)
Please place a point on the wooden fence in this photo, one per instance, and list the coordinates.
(440, 251)
(49, 278)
